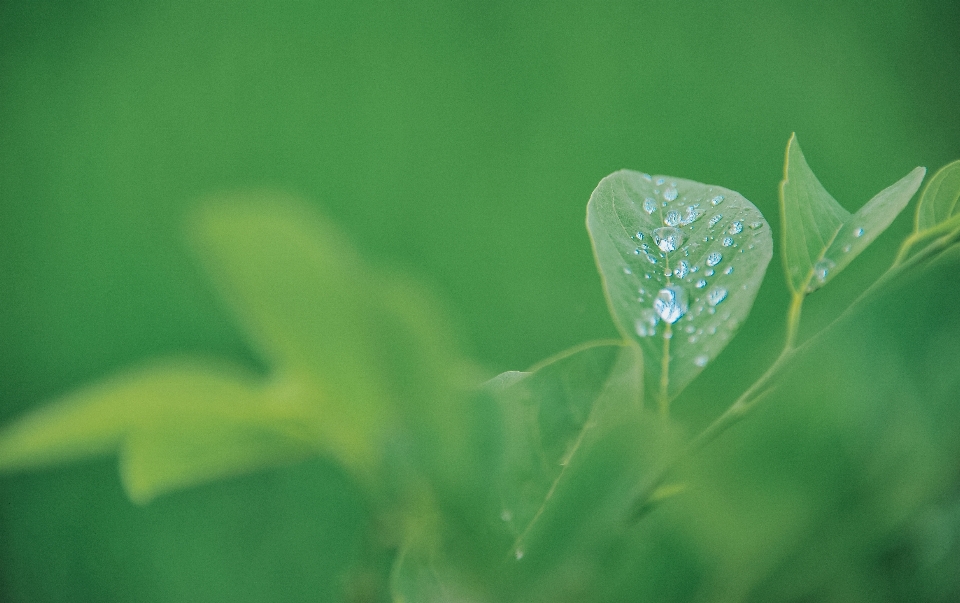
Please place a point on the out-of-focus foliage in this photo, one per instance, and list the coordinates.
(460, 141)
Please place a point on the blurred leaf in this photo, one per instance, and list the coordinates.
(938, 211)
(578, 446)
(820, 238)
(361, 362)
(681, 264)
(175, 426)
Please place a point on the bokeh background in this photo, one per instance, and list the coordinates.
(457, 141)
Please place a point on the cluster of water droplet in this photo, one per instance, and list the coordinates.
(684, 274)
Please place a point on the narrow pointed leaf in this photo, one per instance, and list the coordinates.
(176, 426)
(681, 264)
(820, 238)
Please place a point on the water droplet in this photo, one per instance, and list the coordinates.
(709, 272)
(682, 270)
(690, 329)
(506, 515)
(637, 251)
(646, 325)
(729, 270)
(847, 248)
(693, 214)
(670, 194)
(701, 284)
(713, 221)
(821, 270)
(858, 233)
(646, 177)
(701, 360)
(660, 181)
(714, 258)
(672, 218)
(727, 241)
(627, 270)
(639, 236)
(671, 303)
(716, 295)
(649, 205)
(668, 238)
(756, 225)
(651, 259)
(695, 269)
(518, 554)
(736, 228)
(717, 200)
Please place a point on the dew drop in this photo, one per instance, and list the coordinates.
(716, 295)
(627, 270)
(672, 218)
(701, 284)
(858, 233)
(639, 236)
(660, 181)
(646, 177)
(756, 225)
(701, 360)
(637, 251)
(709, 272)
(729, 270)
(671, 303)
(506, 515)
(651, 259)
(727, 241)
(518, 554)
(649, 205)
(693, 214)
(847, 248)
(668, 238)
(682, 270)
(821, 270)
(670, 194)
(646, 325)
(690, 329)
(717, 200)
(736, 228)
(713, 221)
(714, 258)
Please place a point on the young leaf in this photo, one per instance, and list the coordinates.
(938, 211)
(175, 426)
(820, 238)
(681, 264)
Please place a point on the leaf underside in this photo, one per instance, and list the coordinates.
(681, 298)
(820, 238)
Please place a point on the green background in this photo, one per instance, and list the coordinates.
(455, 141)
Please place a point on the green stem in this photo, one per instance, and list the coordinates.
(758, 390)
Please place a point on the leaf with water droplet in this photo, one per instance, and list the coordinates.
(820, 238)
(938, 211)
(676, 287)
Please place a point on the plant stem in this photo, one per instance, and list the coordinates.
(758, 390)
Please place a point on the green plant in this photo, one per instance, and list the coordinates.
(571, 481)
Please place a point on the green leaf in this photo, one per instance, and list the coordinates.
(938, 211)
(681, 264)
(379, 350)
(175, 426)
(362, 364)
(820, 238)
(576, 446)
